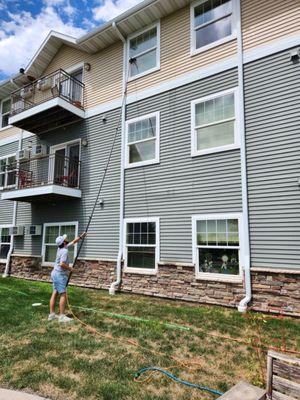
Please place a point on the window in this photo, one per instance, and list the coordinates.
(7, 172)
(214, 125)
(5, 240)
(51, 231)
(5, 110)
(212, 23)
(64, 167)
(142, 140)
(141, 245)
(217, 245)
(144, 50)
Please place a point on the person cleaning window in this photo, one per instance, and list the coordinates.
(59, 276)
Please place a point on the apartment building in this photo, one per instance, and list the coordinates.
(201, 197)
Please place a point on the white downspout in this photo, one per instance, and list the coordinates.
(115, 284)
(242, 307)
(14, 221)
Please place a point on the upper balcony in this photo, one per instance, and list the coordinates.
(48, 103)
(48, 178)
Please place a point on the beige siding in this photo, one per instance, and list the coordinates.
(10, 131)
(269, 20)
(103, 83)
(175, 52)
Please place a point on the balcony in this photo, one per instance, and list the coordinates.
(47, 178)
(48, 103)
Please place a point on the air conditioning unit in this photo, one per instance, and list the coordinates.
(44, 84)
(23, 155)
(39, 150)
(26, 92)
(16, 230)
(33, 230)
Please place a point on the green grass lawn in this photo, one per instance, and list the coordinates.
(68, 362)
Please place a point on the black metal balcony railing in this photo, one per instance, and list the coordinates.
(58, 84)
(53, 169)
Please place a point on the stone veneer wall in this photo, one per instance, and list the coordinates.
(272, 292)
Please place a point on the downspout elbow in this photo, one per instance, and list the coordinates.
(243, 305)
(116, 283)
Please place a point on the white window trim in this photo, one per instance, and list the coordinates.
(3, 260)
(1, 115)
(135, 34)
(157, 142)
(233, 36)
(237, 139)
(142, 271)
(8, 186)
(63, 146)
(45, 225)
(215, 276)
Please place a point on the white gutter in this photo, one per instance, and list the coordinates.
(242, 307)
(115, 284)
(14, 221)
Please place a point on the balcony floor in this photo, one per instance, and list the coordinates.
(47, 116)
(45, 193)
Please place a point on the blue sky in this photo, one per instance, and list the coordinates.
(25, 24)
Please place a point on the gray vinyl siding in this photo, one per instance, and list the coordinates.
(273, 159)
(6, 207)
(180, 185)
(102, 241)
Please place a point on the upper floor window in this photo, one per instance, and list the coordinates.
(144, 52)
(217, 245)
(5, 110)
(214, 123)
(212, 23)
(7, 171)
(142, 140)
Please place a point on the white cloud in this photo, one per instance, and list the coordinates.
(109, 9)
(22, 35)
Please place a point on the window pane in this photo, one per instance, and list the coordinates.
(211, 10)
(233, 225)
(215, 135)
(51, 234)
(215, 110)
(6, 106)
(141, 233)
(141, 257)
(143, 42)
(4, 249)
(50, 253)
(2, 180)
(5, 238)
(220, 261)
(143, 151)
(68, 230)
(5, 120)
(213, 32)
(221, 232)
(143, 63)
(142, 130)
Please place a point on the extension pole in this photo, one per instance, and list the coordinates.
(102, 181)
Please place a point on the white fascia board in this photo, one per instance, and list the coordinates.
(15, 138)
(57, 101)
(41, 190)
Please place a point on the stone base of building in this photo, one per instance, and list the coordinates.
(272, 291)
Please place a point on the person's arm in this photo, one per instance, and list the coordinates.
(63, 261)
(65, 266)
(77, 239)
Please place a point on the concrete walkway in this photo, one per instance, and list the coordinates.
(12, 395)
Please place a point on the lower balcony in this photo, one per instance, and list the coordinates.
(48, 178)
